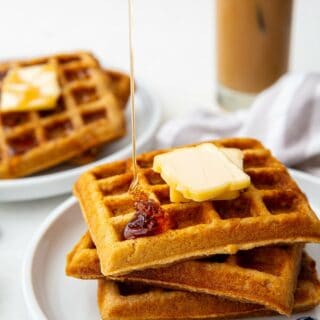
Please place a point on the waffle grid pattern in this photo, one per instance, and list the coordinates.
(215, 227)
(269, 274)
(87, 114)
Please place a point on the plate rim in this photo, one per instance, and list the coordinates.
(31, 301)
(147, 96)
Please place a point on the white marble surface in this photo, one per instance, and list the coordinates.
(174, 55)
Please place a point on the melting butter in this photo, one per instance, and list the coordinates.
(30, 88)
(204, 172)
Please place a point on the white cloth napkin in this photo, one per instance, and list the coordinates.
(285, 117)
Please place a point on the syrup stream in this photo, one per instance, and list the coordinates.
(134, 182)
(149, 219)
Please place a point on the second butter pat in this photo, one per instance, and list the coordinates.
(204, 172)
(30, 88)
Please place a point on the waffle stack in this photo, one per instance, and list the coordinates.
(88, 114)
(218, 259)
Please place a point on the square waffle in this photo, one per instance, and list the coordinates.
(135, 301)
(272, 210)
(87, 114)
(120, 87)
(265, 275)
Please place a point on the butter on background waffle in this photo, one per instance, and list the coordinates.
(87, 114)
(265, 275)
(125, 301)
(272, 210)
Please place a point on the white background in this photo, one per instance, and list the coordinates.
(174, 56)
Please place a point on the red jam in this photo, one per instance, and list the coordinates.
(150, 219)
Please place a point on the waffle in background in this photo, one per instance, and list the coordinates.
(88, 114)
(272, 210)
(120, 86)
(135, 301)
(233, 276)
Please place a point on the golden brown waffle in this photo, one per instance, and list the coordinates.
(82, 261)
(120, 87)
(264, 275)
(87, 114)
(272, 210)
(86, 157)
(135, 301)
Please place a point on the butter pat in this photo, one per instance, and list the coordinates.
(234, 155)
(203, 172)
(176, 196)
(30, 88)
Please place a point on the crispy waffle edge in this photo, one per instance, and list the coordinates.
(150, 303)
(272, 285)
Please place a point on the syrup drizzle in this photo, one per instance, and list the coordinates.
(135, 182)
(149, 219)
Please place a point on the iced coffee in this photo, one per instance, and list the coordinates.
(253, 39)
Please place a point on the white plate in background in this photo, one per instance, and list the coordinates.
(50, 294)
(59, 180)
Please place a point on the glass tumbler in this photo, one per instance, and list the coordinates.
(253, 40)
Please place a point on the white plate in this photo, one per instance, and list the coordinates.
(59, 180)
(51, 295)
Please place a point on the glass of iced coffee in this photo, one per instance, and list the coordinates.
(253, 39)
